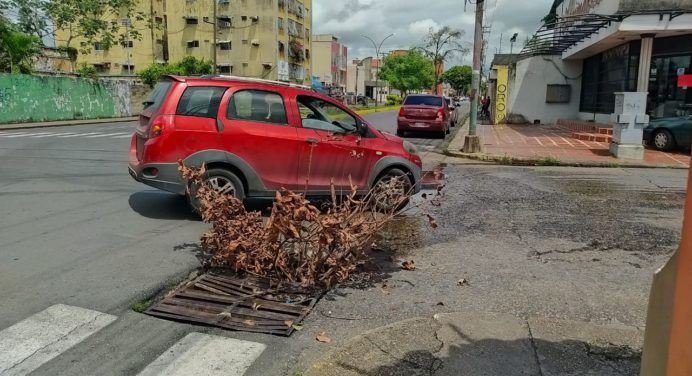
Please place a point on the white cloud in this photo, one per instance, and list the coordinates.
(411, 20)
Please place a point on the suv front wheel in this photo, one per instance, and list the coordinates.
(222, 181)
(392, 196)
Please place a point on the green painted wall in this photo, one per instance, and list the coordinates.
(28, 98)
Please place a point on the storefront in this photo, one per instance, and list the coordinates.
(616, 70)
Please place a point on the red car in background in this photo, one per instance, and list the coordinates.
(424, 113)
(257, 136)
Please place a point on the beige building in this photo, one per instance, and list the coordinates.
(329, 61)
(261, 38)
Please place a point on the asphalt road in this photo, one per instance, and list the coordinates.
(560, 242)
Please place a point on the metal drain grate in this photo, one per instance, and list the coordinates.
(229, 302)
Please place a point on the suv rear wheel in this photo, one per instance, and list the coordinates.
(222, 181)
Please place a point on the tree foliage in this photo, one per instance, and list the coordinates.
(29, 14)
(188, 66)
(96, 21)
(440, 45)
(17, 49)
(458, 77)
(405, 73)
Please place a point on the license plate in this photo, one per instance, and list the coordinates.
(420, 125)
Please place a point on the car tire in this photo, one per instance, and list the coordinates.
(222, 180)
(663, 140)
(400, 133)
(395, 204)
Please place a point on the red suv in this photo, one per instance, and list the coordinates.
(420, 112)
(257, 136)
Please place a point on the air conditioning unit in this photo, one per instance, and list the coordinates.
(225, 24)
(224, 2)
(254, 18)
(255, 42)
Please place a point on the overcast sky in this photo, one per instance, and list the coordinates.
(411, 19)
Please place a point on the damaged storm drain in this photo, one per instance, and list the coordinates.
(246, 304)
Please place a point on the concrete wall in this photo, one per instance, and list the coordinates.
(27, 98)
(527, 95)
(322, 57)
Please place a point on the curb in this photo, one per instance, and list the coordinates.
(523, 161)
(376, 110)
(66, 123)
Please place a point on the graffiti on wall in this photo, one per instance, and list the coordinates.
(501, 94)
(27, 98)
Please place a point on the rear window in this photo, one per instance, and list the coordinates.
(423, 100)
(202, 101)
(157, 96)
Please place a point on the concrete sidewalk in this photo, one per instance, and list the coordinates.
(552, 145)
(65, 123)
(472, 344)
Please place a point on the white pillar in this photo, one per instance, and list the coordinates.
(645, 62)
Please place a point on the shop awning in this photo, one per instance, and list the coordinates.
(555, 37)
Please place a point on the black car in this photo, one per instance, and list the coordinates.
(669, 133)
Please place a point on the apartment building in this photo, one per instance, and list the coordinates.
(261, 38)
(132, 55)
(329, 61)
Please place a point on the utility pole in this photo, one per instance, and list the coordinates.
(127, 23)
(512, 40)
(377, 61)
(501, 36)
(214, 46)
(472, 143)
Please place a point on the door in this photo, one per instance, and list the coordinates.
(333, 149)
(256, 129)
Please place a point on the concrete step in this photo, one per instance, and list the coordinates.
(596, 137)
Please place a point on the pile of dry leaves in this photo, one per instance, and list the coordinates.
(299, 244)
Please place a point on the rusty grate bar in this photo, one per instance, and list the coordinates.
(226, 301)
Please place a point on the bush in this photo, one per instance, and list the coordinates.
(393, 100)
(88, 72)
(188, 66)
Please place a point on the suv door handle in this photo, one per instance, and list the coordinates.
(312, 141)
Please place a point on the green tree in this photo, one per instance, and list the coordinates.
(440, 45)
(412, 71)
(96, 21)
(458, 77)
(30, 16)
(16, 49)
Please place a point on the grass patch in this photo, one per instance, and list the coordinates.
(505, 160)
(140, 306)
(548, 161)
(372, 110)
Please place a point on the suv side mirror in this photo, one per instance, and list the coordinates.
(361, 128)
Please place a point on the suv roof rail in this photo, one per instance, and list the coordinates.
(253, 79)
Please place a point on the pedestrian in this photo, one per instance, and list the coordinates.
(486, 107)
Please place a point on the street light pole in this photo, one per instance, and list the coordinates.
(377, 58)
(472, 143)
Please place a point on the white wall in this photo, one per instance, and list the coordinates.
(528, 93)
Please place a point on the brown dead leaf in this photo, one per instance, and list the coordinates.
(408, 265)
(249, 322)
(323, 338)
(288, 323)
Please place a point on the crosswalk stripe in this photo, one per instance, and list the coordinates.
(203, 354)
(106, 135)
(28, 344)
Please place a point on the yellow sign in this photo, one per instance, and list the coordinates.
(501, 94)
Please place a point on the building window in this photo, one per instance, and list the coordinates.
(281, 47)
(244, 18)
(98, 46)
(280, 23)
(159, 20)
(224, 69)
(191, 21)
(128, 44)
(244, 41)
(604, 75)
(192, 43)
(224, 46)
(307, 54)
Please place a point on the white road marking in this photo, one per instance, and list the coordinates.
(79, 134)
(106, 135)
(28, 344)
(13, 135)
(203, 354)
(39, 135)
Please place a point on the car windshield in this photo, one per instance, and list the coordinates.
(423, 100)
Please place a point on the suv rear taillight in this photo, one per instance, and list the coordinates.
(402, 112)
(160, 124)
(441, 114)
